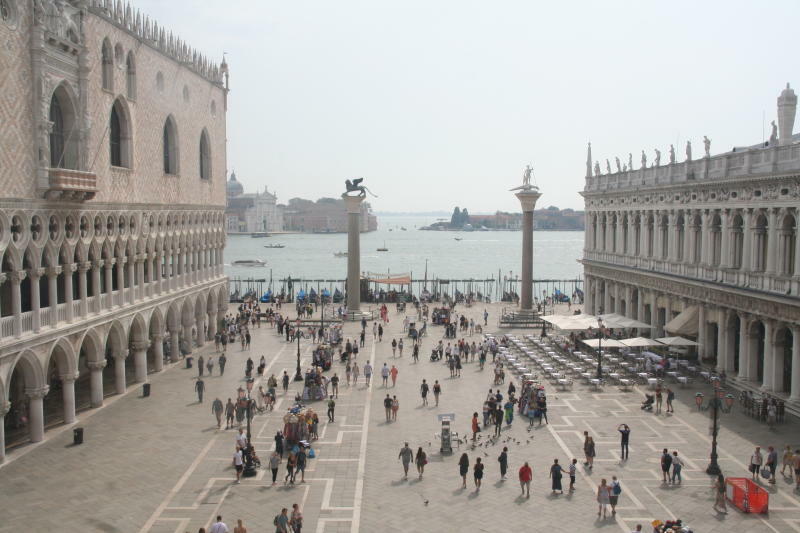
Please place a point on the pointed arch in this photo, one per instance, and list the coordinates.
(108, 65)
(170, 146)
(63, 131)
(130, 75)
(31, 368)
(205, 156)
(65, 359)
(119, 135)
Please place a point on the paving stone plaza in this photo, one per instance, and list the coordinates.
(167, 468)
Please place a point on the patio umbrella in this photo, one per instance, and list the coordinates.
(605, 343)
(613, 321)
(640, 342)
(677, 341)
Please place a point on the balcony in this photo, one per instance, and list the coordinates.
(70, 185)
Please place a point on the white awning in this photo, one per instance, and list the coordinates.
(677, 341)
(604, 343)
(685, 323)
(637, 342)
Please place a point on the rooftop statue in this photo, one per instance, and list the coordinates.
(644, 159)
(688, 150)
(618, 167)
(658, 157)
(671, 154)
(707, 145)
(630, 161)
(608, 167)
(597, 168)
(773, 137)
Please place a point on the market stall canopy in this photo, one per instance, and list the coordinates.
(640, 342)
(677, 341)
(685, 323)
(604, 343)
(615, 321)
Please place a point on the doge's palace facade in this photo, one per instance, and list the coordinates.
(112, 168)
(706, 248)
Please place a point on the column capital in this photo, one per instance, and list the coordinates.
(3, 277)
(139, 346)
(53, 272)
(5, 407)
(157, 337)
(69, 378)
(108, 263)
(140, 258)
(122, 354)
(38, 393)
(36, 273)
(84, 266)
(69, 268)
(18, 275)
(97, 365)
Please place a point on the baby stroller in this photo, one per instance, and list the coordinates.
(435, 355)
(647, 405)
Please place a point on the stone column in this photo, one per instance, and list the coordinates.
(4, 409)
(52, 294)
(797, 245)
(83, 289)
(119, 372)
(688, 237)
(140, 288)
(353, 205)
(211, 322)
(640, 307)
(36, 412)
(131, 273)
(122, 266)
(702, 350)
(68, 271)
(16, 300)
(187, 336)
(96, 305)
(795, 387)
(109, 264)
(96, 381)
(643, 234)
(35, 274)
(769, 356)
(747, 241)
(174, 345)
(744, 349)
(527, 198)
(68, 395)
(598, 301)
(200, 324)
(654, 321)
(725, 236)
(772, 241)
(139, 349)
(628, 301)
(722, 341)
(155, 276)
(777, 362)
(157, 342)
(607, 297)
(179, 272)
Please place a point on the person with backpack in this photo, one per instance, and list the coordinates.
(281, 521)
(217, 409)
(423, 390)
(666, 464)
(616, 490)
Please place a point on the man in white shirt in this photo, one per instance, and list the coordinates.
(385, 375)
(238, 463)
(367, 372)
(241, 439)
(218, 526)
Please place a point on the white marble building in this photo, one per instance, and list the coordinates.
(707, 248)
(251, 212)
(112, 167)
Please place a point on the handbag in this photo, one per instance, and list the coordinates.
(765, 473)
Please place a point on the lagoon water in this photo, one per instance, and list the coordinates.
(479, 255)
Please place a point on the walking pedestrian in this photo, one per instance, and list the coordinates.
(331, 409)
(239, 527)
(385, 375)
(555, 474)
(659, 398)
(503, 460)
(670, 398)
(285, 382)
(772, 463)
(677, 465)
(525, 477)
(590, 452)
(498, 421)
(475, 426)
(387, 407)
(367, 373)
(291, 462)
(720, 505)
(573, 468)
(394, 347)
(400, 347)
(625, 433)
(348, 371)
(666, 464)
(586, 448)
(355, 373)
(406, 455)
(301, 464)
(437, 390)
(210, 366)
(281, 521)
(199, 387)
(296, 520)
(218, 526)
(423, 390)
(274, 465)
(380, 332)
(787, 460)
(613, 497)
(421, 460)
(335, 385)
(756, 461)
(238, 463)
(463, 469)
(374, 331)
(393, 372)
(222, 360)
(200, 366)
(478, 474)
(395, 407)
(603, 498)
(230, 412)
(279, 443)
(217, 409)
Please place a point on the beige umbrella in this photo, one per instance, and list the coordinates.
(614, 321)
(677, 341)
(640, 342)
(604, 343)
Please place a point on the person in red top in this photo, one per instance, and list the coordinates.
(475, 427)
(525, 476)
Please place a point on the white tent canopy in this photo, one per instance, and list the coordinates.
(640, 342)
(583, 322)
(615, 321)
(677, 341)
(604, 343)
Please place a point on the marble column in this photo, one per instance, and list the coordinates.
(527, 198)
(16, 300)
(119, 372)
(130, 271)
(747, 241)
(157, 342)
(353, 205)
(744, 349)
(702, 332)
(4, 409)
(772, 242)
(96, 381)
(795, 386)
(725, 230)
(211, 323)
(52, 294)
(96, 304)
(189, 338)
(140, 286)
(36, 412)
(109, 265)
(640, 307)
(722, 341)
(607, 297)
(139, 349)
(68, 271)
(200, 325)
(628, 301)
(777, 361)
(83, 288)
(68, 396)
(769, 356)
(174, 345)
(598, 300)
(797, 245)
(35, 274)
(122, 266)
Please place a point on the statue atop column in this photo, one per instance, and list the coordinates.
(658, 157)
(619, 169)
(773, 137)
(707, 145)
(527, 176)
(355, 186)
(671, 154)
(688, 150)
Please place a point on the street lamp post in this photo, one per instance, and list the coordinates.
(599, 348)
(297, 375)
(716, 405)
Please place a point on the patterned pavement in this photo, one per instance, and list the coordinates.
(159, 464)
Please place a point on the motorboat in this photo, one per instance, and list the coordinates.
(259, 235)
(274, 245)
(458, 238)
(383, 248)
(249, 263)
(339, 254)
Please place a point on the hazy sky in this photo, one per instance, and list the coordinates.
(440, 103)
